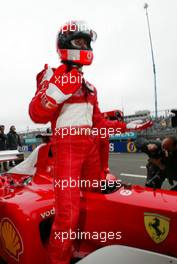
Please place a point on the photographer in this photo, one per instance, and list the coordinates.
(169, 146)
(156, 173)
(162, 162)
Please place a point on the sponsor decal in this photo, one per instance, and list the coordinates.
(48, 213)
(131, 147)
(157, 226)
(10, 239)
(89, 55)
(126, 192)
(111, 147)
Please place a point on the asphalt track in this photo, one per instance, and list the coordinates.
(130, 167)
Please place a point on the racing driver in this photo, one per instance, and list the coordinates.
(69, 102)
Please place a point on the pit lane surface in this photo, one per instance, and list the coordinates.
(130, 167)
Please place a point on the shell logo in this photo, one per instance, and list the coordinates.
(10, 239)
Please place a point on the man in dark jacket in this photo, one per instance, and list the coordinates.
(3, 144)
(13, 141)
(156, 164)
(162, 162)
(169, 145)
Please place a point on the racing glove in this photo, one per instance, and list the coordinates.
(138, 125)
(62, 83)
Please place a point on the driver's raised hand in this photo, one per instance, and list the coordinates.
(64, 82)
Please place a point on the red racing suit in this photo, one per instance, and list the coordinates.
(76, 156)
(103, 142)
(103, 146)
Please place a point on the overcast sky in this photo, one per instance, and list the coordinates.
(122, 67)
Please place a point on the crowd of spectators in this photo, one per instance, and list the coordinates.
(9, 141)
(162, 127)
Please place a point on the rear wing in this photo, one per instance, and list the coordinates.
(7, 155)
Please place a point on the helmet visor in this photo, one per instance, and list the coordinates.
(80, 43)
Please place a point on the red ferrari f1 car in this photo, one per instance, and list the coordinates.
(132, 216)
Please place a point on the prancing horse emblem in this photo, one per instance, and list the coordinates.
(157, 226)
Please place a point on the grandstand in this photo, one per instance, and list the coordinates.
(162, 126)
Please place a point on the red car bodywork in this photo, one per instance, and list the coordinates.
(26, 214)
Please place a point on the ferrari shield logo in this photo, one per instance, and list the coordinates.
(157, 226)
